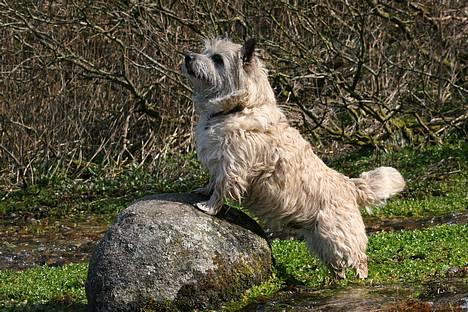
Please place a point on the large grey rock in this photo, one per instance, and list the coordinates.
(163, 254)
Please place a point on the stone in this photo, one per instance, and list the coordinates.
(163, 254)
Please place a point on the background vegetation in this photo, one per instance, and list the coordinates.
(86, 83)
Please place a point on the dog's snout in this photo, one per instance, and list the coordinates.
(188, 58)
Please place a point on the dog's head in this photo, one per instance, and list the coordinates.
(222, 71)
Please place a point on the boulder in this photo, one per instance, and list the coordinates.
(163, 254)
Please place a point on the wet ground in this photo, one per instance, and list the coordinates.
(26, 243)
(449, 295)
(374, 224)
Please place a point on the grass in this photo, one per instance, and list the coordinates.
(399, 257)
(437, 184)
(403, 257)
(436, 177)
(99, 190)
(423, 167)
(44, 288)
(429, 206)
(414, 256)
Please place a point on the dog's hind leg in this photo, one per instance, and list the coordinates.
(326, 249)
(339, 241)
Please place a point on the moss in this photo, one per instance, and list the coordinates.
(163, 306)
(228, 282)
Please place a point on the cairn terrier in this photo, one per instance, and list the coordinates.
(253, 154)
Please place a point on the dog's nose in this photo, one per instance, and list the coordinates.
(188, 58)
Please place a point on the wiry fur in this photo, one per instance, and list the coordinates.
(253, 154)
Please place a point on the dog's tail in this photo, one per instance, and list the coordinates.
(376, 186)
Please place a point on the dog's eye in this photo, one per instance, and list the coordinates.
(217, 59)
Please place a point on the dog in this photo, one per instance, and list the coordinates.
(254, 155)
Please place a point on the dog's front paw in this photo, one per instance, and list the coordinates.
(203, 206)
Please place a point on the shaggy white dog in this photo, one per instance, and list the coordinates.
(253, 154)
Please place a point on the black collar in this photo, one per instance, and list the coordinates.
(236, 109)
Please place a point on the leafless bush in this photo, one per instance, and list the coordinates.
(375, 73)
(99, 81)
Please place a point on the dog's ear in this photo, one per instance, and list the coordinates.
(248, 50)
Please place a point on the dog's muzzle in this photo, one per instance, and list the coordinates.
(189, 57)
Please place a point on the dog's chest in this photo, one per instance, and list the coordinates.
(209, 141)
